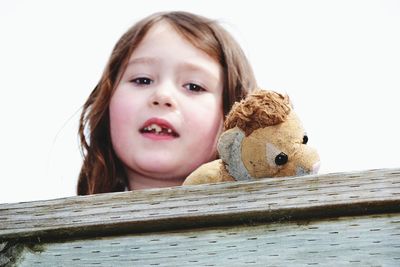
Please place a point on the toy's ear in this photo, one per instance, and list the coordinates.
(230, 152)
(229, 145)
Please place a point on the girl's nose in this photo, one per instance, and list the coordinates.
(162, 103)
(163, 98)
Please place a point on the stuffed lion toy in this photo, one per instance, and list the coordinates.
(263, 137)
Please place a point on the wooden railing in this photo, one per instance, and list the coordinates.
(337, 219)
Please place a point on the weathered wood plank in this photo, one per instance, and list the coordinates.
(208, 205)
(371, 240)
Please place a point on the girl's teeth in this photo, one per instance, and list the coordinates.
(157, 129)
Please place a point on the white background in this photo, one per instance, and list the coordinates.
(339, 61)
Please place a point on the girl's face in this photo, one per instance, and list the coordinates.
(166, 112)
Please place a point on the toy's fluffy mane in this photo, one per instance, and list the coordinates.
(260, 109)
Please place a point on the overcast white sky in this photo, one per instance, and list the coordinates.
(339, 61)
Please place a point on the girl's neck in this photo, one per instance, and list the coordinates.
(137, 182)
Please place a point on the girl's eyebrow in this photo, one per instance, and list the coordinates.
(196, 67)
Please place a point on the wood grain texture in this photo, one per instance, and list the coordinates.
(277, 199)
(371, 240)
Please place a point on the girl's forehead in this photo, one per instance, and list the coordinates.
(163, 40)
(160, 27)
(161, 31)
(158, 36)
(165, 33)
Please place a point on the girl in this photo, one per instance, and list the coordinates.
(158, 110)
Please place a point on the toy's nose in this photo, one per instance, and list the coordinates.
(315, 167)
(304, 171)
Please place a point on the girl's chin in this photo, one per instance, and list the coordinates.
(165, 166)
(162, 171)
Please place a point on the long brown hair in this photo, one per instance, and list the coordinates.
(101, 170)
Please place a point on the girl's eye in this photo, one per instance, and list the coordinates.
(194, 87)
(142, 81)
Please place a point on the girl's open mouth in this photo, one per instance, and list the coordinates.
(158, 127)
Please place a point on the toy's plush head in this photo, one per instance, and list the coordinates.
(266, 136)
(263, 137)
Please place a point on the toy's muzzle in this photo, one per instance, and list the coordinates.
(315, 167)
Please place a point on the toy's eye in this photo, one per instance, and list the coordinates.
(305, 139)
(281, 159)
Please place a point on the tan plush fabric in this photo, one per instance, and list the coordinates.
(212, 172)
(260, 109)
(260, 131)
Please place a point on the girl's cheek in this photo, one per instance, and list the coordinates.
(210, 121)
(119, 114)
(121, 105)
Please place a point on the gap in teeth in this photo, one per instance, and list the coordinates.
(157, 129)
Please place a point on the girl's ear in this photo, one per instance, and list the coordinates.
(229, 145)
